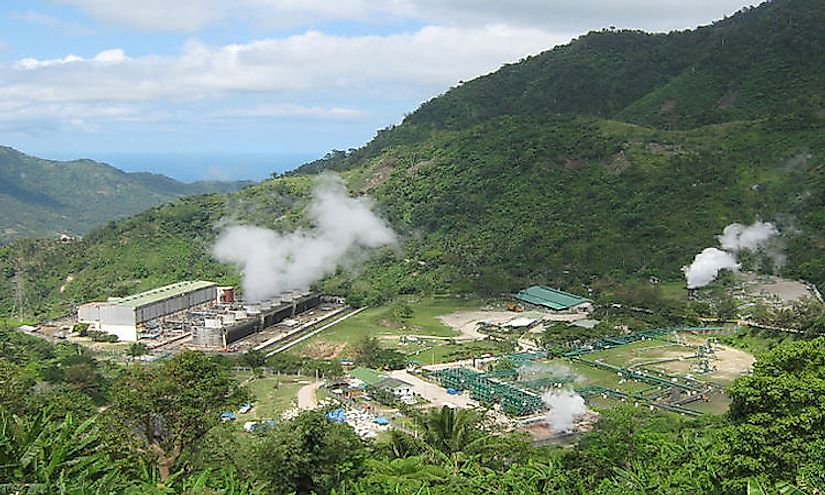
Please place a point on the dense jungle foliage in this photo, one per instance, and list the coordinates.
(546, 171)
(159, 433)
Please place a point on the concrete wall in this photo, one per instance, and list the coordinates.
(122, 320)
(125, 333)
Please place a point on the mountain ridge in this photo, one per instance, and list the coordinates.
(45, 198)
(528, 195)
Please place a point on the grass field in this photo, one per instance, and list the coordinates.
(383, 320)
(675, 290)
(272, 396)
(441, 353)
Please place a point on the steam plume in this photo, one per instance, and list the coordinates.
(707, 265)
(565, 407)
(272, 262)
(735, 238)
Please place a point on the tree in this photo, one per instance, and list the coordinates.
(368, 352)
(83, 378)
(450, 429)
(136, 349)
(309, 454)
(169, 407)
(15, 384)
(777, 414)
(254, 358)
(402, 310)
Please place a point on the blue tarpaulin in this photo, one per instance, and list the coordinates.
(381, 420)
(337, 415)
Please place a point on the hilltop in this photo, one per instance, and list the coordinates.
(44, 198)
(618, 156)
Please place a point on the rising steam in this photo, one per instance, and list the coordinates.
(565, 407)
(734, 239)
(273, 262)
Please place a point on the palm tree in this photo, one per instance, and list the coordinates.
(451, 430)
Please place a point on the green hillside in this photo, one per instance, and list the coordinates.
(44, 198)
(618, 156)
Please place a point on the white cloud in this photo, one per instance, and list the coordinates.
(581, 15)
(556, 15)
(50, 21)
(305, 76)
(422, 62)
(291, 110)
(114, 56)
(155, 15)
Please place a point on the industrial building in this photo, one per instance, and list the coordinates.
(219, 326)
(122, 316)
(554, 299)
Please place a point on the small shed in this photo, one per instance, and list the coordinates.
(366, 375)
(398, 388)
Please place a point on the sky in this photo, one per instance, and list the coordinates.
(220, 89)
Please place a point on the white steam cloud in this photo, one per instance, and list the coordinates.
(735, 238)
(707, 265)
(565, 407)
(273, 262)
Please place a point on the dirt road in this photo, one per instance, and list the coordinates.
(306, 396)
(466, 322)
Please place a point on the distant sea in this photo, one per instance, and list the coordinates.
(192, 167)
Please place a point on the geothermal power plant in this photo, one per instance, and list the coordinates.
(202, 315)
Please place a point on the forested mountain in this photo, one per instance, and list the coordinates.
(620, 155)
(43, 198)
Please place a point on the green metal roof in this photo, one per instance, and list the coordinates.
(366, 375)
(161, 293)
(550, 298)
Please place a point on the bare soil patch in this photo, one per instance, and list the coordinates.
(323, 350)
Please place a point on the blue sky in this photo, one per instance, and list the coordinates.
(169, 85)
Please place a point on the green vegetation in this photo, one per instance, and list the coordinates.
(271, 397)
(420, 318)
(614, 158)
(45, 198)
(754, 341)
(50, 442)
(593, 166)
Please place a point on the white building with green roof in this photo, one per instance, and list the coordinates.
(122, 316)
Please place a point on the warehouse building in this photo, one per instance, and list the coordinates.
(554, 299)
(122, 316)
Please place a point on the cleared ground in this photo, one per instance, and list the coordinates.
(386, 321)
(272, 396)
(681, 359)
(435, 394)
(729, 363)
